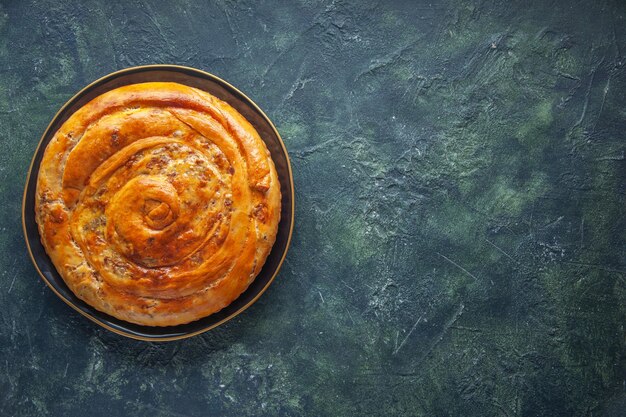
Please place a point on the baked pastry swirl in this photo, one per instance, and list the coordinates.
(158, 203)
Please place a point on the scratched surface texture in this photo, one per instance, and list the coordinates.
(460, 246)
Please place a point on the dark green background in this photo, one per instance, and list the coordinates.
(460, 241)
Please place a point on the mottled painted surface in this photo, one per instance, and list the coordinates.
(460, 246)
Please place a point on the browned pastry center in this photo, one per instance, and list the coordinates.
(157, 203)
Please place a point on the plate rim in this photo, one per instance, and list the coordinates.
(162, 67)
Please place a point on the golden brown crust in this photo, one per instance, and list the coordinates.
(158, 203)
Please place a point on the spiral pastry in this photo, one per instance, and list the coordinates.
(158, 203)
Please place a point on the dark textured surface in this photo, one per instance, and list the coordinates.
(460, 224)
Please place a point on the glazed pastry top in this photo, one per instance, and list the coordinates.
(158, 203)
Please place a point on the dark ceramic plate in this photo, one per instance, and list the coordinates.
(267, 131)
